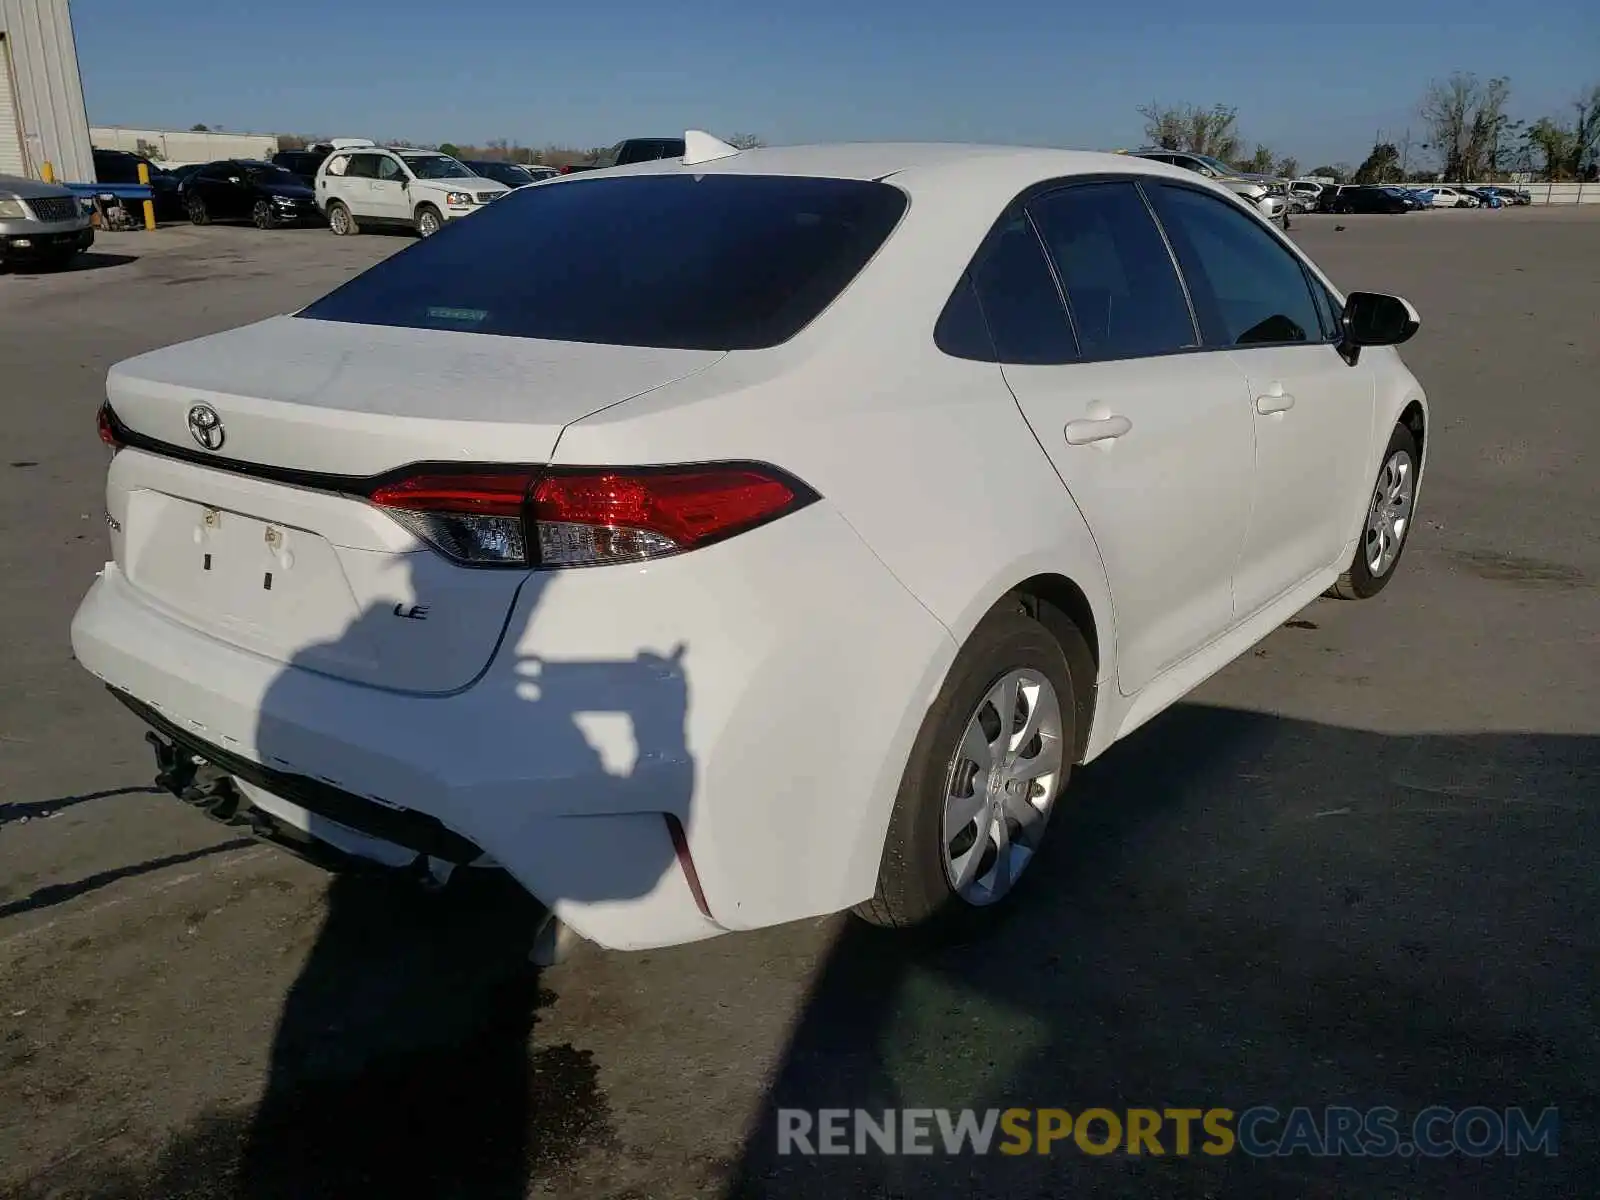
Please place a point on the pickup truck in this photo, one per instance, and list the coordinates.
(633, 150)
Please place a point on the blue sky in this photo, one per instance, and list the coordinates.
(1314, 79)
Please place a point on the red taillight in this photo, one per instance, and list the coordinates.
(108, 427)
(569, 517)
(612, 516)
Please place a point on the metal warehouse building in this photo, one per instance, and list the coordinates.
(42, 116)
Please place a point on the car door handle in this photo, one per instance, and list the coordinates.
(1275, 401)
(1085, 433)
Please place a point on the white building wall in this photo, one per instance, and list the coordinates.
(178, 147)
(46, 90)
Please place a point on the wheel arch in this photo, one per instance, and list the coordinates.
(1415, 418)
(1063, 607)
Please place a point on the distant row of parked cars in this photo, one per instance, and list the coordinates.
(1310, 196)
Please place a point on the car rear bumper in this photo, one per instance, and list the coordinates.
(659, 753)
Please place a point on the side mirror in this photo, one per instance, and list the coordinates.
(1374, 319)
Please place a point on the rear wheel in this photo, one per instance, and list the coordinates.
(340, 220)
(262, 215)
(993, 754)
(1390, 512)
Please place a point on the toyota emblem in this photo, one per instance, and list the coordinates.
(205, 426)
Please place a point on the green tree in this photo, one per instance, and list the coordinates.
(198, 128)
(1567, 148)
(1259, 163)
(1340, 173)
(1381, 166)
(450, 148)
(1288, 167)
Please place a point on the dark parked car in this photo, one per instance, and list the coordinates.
(513, 175)
(303, 163)
(122, 166)
(633, 150)
(262, 193)
(1370, 200)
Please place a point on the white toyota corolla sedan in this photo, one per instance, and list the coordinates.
(726, 540)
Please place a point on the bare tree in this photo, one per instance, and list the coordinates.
(1288, 167)
(744, 141)
(1466, 121)
(1210, 131)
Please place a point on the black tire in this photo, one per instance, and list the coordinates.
(914, 889)
(428, 215)
(262, 215)
(1357, 581)
(341, 220)
(198, 213)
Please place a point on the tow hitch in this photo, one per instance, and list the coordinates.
(205, 786)
(200, 784)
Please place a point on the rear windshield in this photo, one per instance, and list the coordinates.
(722, 262)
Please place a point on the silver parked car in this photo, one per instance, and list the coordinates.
(1267, 193)
(42, 224)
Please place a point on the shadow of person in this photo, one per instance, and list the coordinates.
(401, 1064)
(1237, 909)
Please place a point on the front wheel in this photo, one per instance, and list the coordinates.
(993, 753)
(429, 222)
(340, 220)
(198, 213)
(1391, 511)
(262, 215)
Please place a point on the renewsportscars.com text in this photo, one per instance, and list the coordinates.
(1261, 1131)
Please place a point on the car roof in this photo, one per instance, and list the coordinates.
(913, 165)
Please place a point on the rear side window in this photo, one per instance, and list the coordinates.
(338, 164)
(1019, 298)
(722, 262)
(1122, 287)
(1248, 288)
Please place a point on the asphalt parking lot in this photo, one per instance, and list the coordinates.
(1359, 867)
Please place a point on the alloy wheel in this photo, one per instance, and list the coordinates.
(1001, 786)
(1389, 515)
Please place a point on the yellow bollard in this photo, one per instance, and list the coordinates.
(149, 205)
(47, 172)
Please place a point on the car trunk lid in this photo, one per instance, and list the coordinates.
(262, 537)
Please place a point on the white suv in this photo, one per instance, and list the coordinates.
(380, 186)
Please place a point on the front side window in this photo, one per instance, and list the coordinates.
(722, 262)
(389, 170)
(1122, 289)
(1248, 288)
(434, 166)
